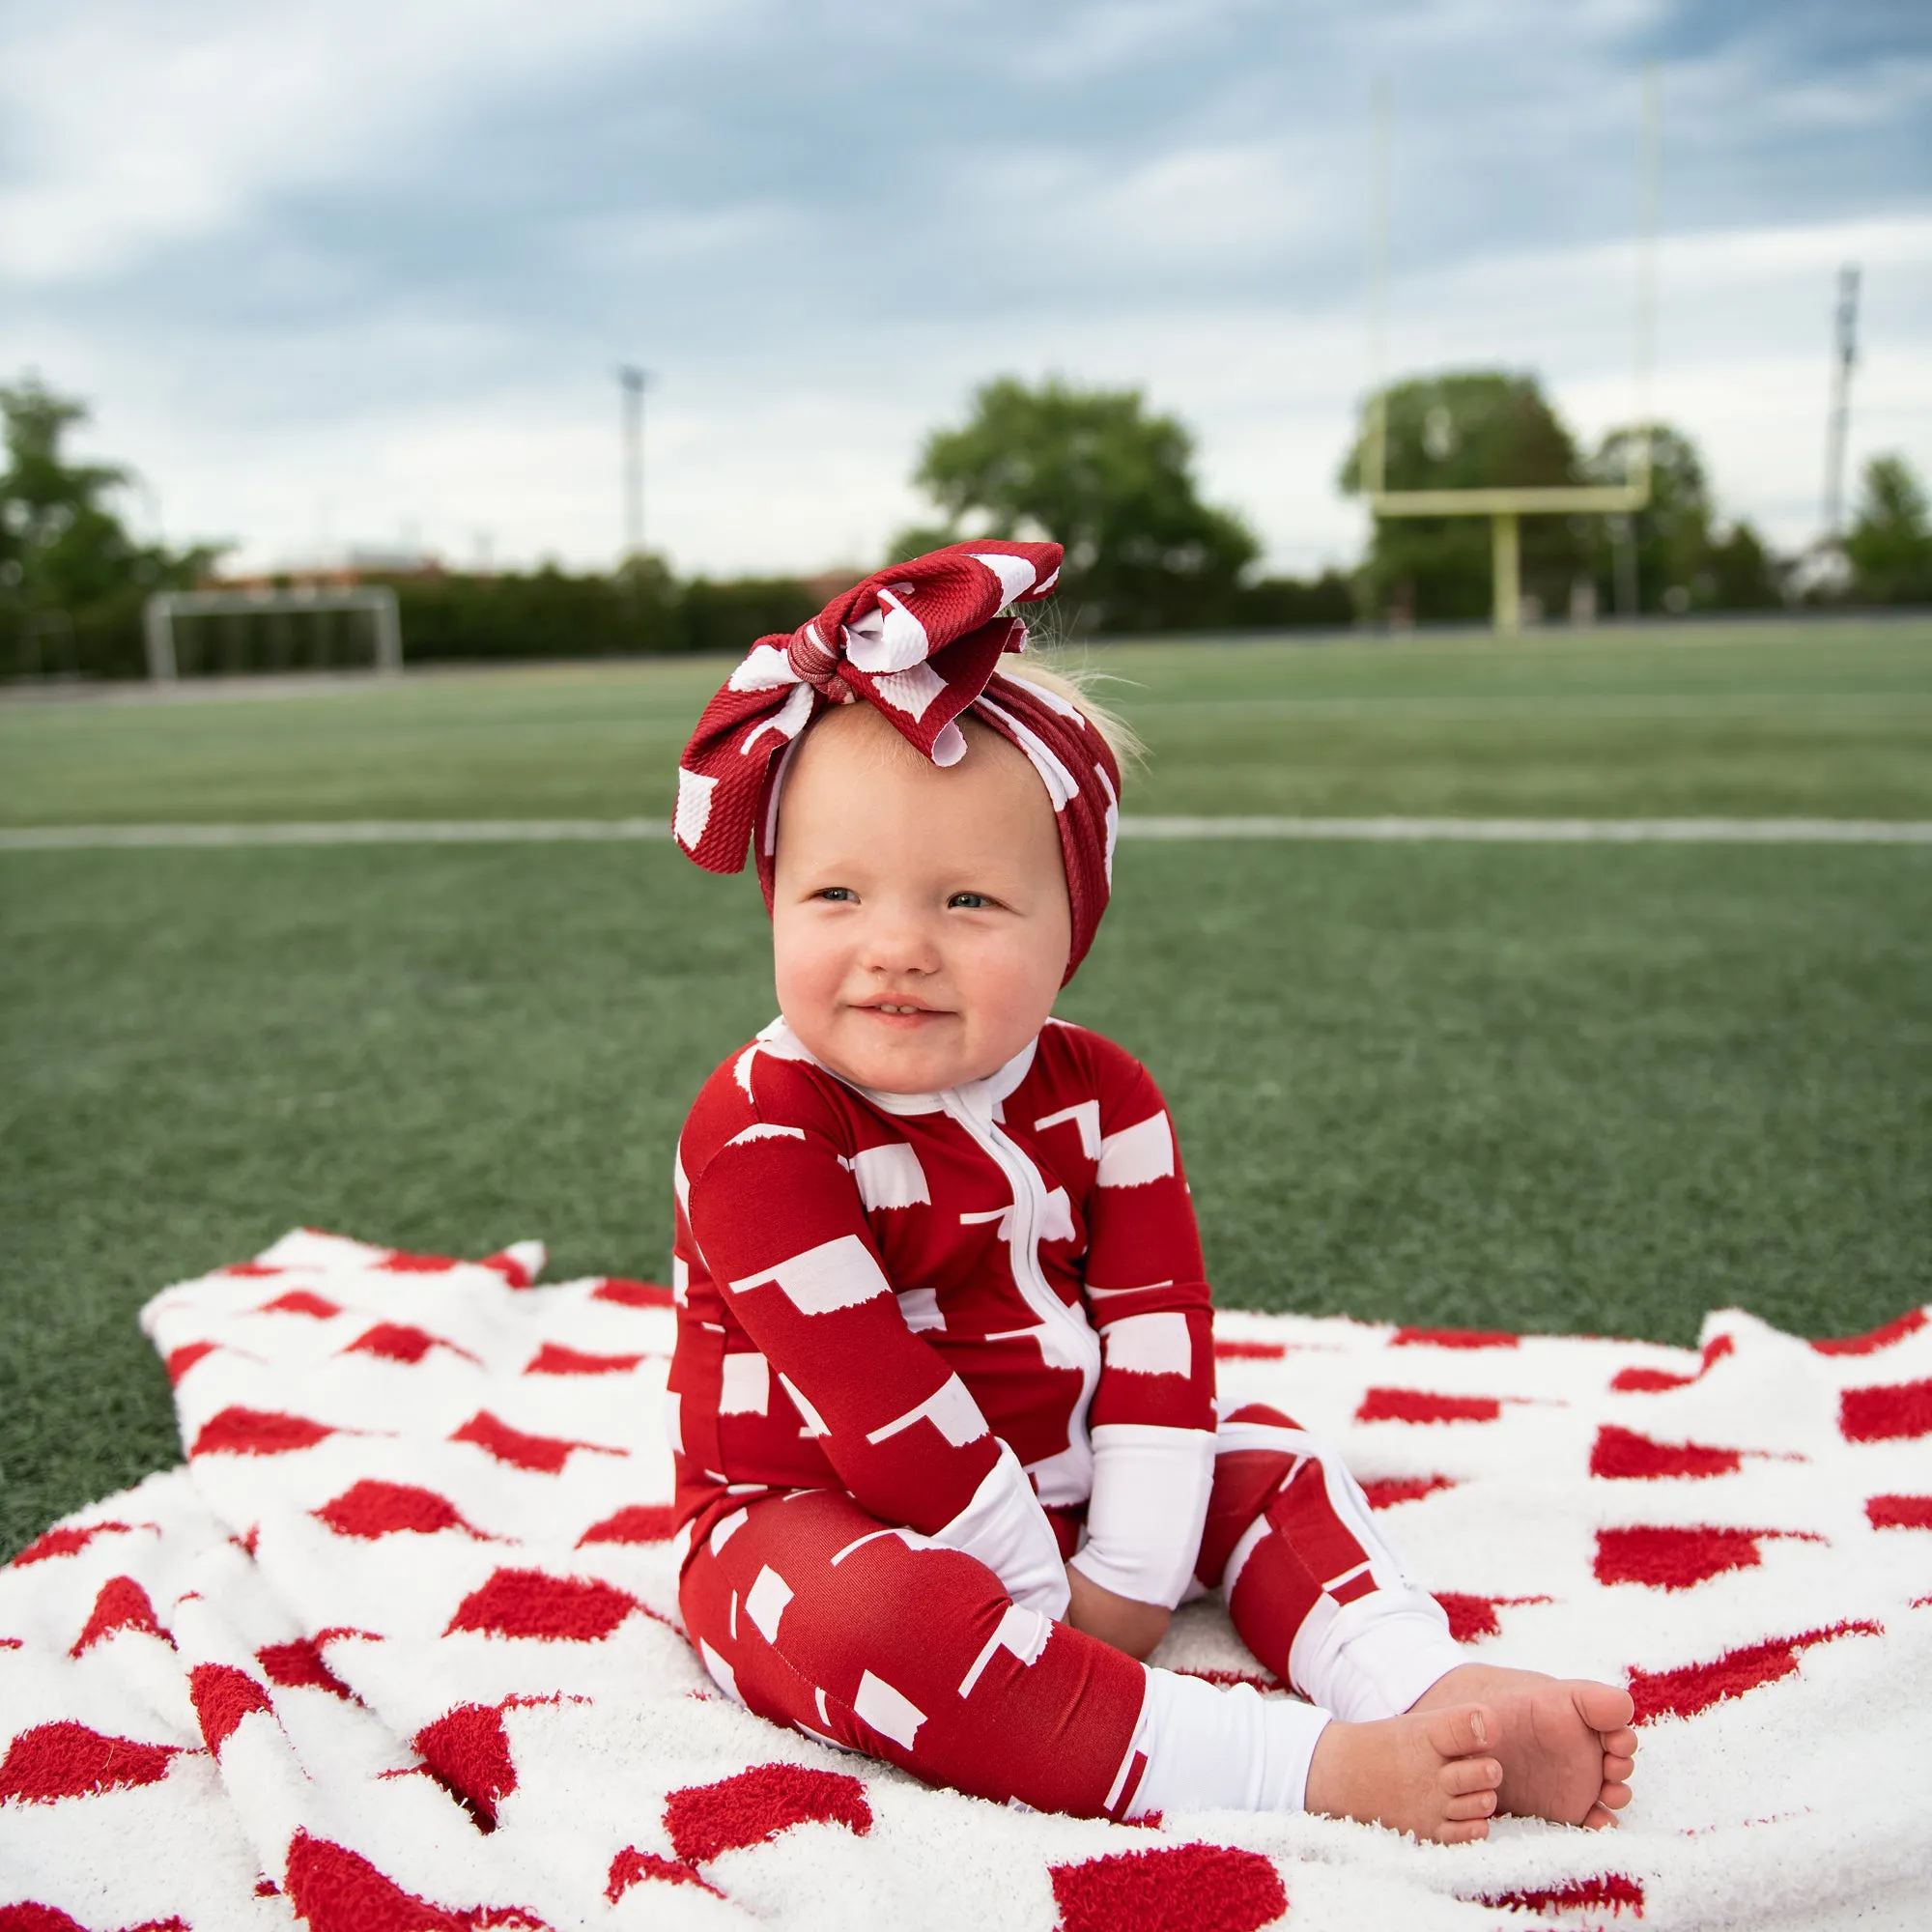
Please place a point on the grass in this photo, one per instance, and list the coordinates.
(1543, 1087)
(1830, 719)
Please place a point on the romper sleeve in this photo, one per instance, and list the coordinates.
(776, 1215)
(1152, 1420)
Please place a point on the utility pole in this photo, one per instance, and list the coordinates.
(1844, 353)
(631, 383)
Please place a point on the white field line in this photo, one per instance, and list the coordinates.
(1553, 831)
(1503, 707)
(574, 831)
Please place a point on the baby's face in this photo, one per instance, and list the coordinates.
(919, 919)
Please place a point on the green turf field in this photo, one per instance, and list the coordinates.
(1829, 720)
(1596, 1087)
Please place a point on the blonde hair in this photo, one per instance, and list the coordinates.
(1074, 684)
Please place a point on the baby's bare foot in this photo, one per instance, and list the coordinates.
(1423, 1772)
(1565, 1744)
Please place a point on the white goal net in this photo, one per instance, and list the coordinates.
(203, 632)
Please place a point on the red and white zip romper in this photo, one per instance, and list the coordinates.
(931, 1347)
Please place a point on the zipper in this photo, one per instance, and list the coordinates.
(1028, 1192)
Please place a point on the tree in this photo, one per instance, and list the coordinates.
(69, 568)
(1677, 560)
(1889, 545)
(1468, 428)
(1091, 469)
(1742, 573)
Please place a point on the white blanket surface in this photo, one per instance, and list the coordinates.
(398, 1650)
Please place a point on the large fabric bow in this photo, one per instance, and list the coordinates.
(922, 643)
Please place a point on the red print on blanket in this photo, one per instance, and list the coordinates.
(301, 1301)
(401, 1342)
(1249, 1351)
(545, 1453)
(534, 1603)
(1676, 1558)
(1899, 1512)
(1396, 1405)
(506, 1265)
(1454, 1338)
(258, 1432)
(69, 1540)
(122, 1605)
(29, 1915)
(1623, 1455)
(632, 1866)
(1612, 1893)
(1393, 1490)
(370, 1509)
(1199, 1888)
(335, 1890)
(222, 1696)
(68, 1760)
(1886, 1415)
(467, 1752)
(632, 1294)
(1907, 1323)
(1653, 1381)
(180, 1360)
(1473, 1617)
(707, 1820)
(1697, 1687)
(555, 1360)
(642, 1522)
(299, 1665)
(399, 1261)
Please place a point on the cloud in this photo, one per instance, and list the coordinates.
(364, 266)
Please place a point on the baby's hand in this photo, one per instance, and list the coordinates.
(1135, 1628)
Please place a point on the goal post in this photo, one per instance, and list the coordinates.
(376, 602)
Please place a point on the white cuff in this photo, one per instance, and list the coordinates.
(1374, 1658)
(1004, 1527)
(1150, 1502)
(1208, 1750)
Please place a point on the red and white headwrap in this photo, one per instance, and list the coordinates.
(922, 643)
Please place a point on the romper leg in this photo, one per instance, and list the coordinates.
(1314, 1589)
(817, 1616)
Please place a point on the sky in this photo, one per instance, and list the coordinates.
(362, 273)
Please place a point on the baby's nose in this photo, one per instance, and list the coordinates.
(901, 946)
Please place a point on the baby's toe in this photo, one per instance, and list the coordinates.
(1461, 1729)
(1471, 1805)
(1603, 1707)
(1620, 1743)
(1615, 1794)
(1463, 1774)
(1599, 1819)
(1617, 1770)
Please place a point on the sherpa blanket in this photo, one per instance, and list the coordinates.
(398, 1650)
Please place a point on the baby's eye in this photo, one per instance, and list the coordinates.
(971, 901)
(836, 894)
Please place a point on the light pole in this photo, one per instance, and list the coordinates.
(631, 383)
(1844, 353)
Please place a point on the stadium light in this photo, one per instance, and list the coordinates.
(1506, 505)
(1844, 353)
(632, 383)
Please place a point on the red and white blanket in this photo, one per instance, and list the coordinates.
(397, 1650)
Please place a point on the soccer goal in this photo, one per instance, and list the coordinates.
(202, 633)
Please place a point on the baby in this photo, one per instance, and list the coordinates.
(943, 1403)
